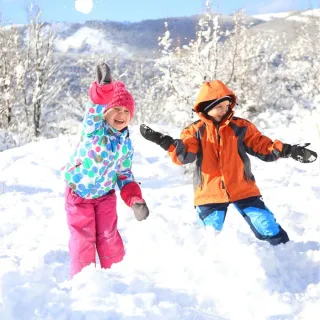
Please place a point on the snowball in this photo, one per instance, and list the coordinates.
(83, 6)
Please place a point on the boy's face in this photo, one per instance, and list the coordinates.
(117, 117)
(220, 110)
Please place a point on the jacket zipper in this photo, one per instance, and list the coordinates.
(224, 188)
(74, 167)
(219, 157)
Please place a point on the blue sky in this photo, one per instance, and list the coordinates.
(135, 10)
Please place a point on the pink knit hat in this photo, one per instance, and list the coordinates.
(121, 98)
(116, 91)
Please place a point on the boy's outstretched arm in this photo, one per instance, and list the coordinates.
(265, 149)
(182, 151)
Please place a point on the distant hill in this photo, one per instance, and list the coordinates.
(285, 23)
(141, 38)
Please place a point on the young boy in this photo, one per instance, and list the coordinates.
(219, 143)
(101, 161)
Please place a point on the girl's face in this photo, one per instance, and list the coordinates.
(220, 110)
(117, 117)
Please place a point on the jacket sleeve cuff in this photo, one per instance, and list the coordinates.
(276, 148)
(131, 193)
(277, 145)
(101, 94)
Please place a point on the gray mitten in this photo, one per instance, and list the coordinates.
(140, 210)
(103, 74)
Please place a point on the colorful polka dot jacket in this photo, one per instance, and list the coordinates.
(102, 158)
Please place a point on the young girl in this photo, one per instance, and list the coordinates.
(101, 160)
(219, 143)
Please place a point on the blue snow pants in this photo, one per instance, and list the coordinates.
(260, 219)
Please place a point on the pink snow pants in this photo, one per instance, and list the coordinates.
(93, 226)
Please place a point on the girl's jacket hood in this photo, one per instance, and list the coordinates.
(213, 90)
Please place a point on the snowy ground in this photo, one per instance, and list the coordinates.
(173, 269)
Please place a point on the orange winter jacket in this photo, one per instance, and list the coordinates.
(223, 170)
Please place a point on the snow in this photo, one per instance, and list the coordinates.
(93, 40)
(173, 268)
(312, 13)
(85, 36)
(305, 16)
(83, 6)
(300, 16)
(271, 16)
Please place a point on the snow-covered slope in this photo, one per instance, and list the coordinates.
(174, 268)
(86, 39)
(271, 16)
(290, 15)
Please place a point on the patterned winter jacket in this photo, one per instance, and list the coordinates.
(102, 159)
(223, 170)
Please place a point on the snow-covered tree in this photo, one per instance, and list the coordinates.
(41, 86)
(10, 45)
(302, 64)
(185, 68)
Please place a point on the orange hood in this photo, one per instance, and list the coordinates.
(213, 90)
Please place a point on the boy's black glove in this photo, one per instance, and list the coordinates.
(140, 210)
(162, 140)
(298, 152)
(103, 74)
